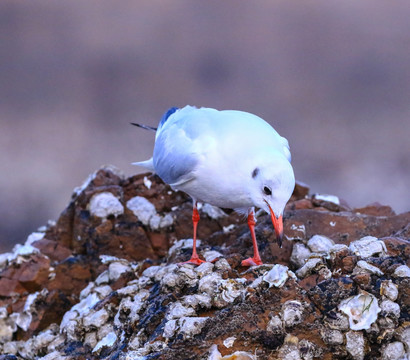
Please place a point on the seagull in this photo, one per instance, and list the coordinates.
(229, 159)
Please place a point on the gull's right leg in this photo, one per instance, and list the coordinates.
(256, 259)
(194, 258)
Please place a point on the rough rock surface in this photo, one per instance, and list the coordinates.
(103, 282)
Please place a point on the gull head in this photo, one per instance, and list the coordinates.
(272, 182)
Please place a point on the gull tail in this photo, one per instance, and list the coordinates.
(146, 127)
(147, 164)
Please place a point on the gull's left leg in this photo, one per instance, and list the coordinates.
(194, 258)
(256, 259)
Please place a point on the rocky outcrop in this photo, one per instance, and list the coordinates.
(103, 281)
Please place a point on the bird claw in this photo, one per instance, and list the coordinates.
(193, 260)
(251, 262)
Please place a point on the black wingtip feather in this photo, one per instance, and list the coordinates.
(146, 127)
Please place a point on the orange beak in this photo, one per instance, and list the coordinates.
(278, 226)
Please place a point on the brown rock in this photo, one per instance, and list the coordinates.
(330, 206)
(363, 280)
(375, 209)
(33, 274)
(74, 244)
(309, 282)
(160, 242)
(104, 228)
(160, 194)
(337, 259)
(10, 287)
(72, 275)
(404, 296)
(294, 229)
(128, 242)
(54, 250)
(397, 247)
(328, 294)
(63, 231)
(348, 263)
(301, 191)
(344, 227)
(106, 176)
(404, 233)
(302, 204)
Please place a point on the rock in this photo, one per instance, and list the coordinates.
(355, 345)
(107, 341)
(363, 266)
(177, 310)
(104, 280)
(213, 212)
(105, 204)
(332, 337)
(301, 204)
(228, 342)
(209, 283)
(292, 313)
(375, 209)
(117, 268)
(290, 349)
(237, 355)
(7, 326)
(402, 271)
(368, 246)
(228, 290)
(329, 202)
(191, 326)
(277, 276)
(403, 335)
(328, 198)
(52, 249)
(96, 319)
(349, 263)
(389, 289)
(295, 230)
(328, 294)
(319, 243)
(393, 351)
(309, 266)
(142, 208)
(309, 350)
(275, 325)
(301, 190)
(390, 308)
(300, 254)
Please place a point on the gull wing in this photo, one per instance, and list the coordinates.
(173, 167)
(286, 148)
(175, 157)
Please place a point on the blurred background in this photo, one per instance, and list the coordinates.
(331, 76)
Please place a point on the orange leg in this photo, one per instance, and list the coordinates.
(194, 258)
(256, 259)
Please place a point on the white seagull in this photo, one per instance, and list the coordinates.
(230, 159)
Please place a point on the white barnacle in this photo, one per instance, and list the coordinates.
(228, 290)
(105, 204)
(368, 246)
(142, 208)
(277, 276)
(361, 309)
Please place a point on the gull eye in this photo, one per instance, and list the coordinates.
(267, 191)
